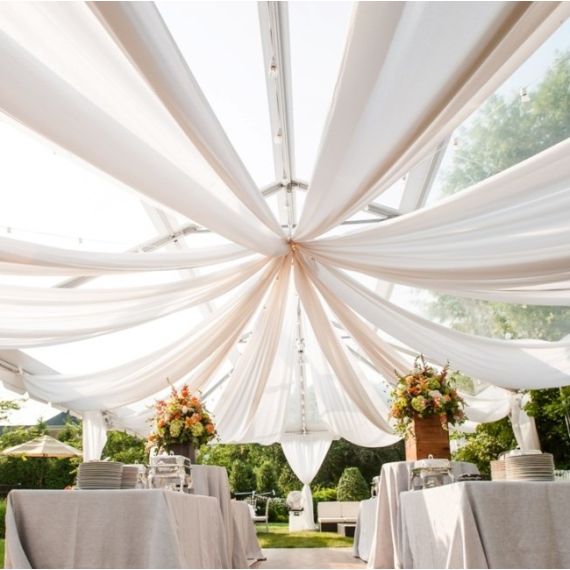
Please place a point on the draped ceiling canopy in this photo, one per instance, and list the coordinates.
(312, 348)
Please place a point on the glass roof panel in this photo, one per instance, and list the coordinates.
(527, 114)
(222, 45)
(50, 197)
(318, 35)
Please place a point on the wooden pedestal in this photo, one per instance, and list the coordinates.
(429, 439)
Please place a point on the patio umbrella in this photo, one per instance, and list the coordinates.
(44, 446)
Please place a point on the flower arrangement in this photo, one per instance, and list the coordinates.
(425, 391)
(181, 418)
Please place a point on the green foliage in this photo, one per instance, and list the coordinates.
(242, 478)
(485, 445)
(368, 459)
(7, 406)
(288, 481)
(551, 411)
(507, 131)
(352, 486)
(266, 477)
(278, 510)
(503, 133)
(280, 537)
(124, 447)
(2, 519)
(323, 494)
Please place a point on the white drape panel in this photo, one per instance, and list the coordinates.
(377, 103)
(94, 435)
(510, 364)
(366, 401)
(268, 423)
(240, 400)
(41, 316)
(524, 426)
(509, 231)
(140, 31)
(111, 146)
(335, 408)
(22, 257)
(305, 455)
(489, 405)
(143, 377)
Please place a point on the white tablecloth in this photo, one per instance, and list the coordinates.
(212, 481)
(364, 529)
(113, 529)
(394, 479)
(246, 531)
(484, 524)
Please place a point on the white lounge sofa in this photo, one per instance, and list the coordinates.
(335, 512)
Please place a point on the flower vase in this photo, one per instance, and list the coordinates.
(184, 449)
(428, 437)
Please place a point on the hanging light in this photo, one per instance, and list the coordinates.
(523, 93)
(278, 138)
(273, 69)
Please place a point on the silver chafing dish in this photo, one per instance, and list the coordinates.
(170, 472)
(430, 472)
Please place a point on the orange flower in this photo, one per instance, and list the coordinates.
(210, 428)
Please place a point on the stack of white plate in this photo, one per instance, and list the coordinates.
(534, 467)
(498, 470)
(100, 475)
(130, 476)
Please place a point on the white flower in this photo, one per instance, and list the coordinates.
(184, 409)
(435, 394)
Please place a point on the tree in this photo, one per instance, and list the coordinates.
(266, 477)
(550, 409)
(352, 486)
(505, 132)
(124, 447)
(7, 406)
(485, 445)
(242, 478)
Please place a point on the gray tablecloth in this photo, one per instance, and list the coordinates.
(386, 543)
(113, 529)
(484, 524)
(364, 529)
(246, 531)
(212, 481)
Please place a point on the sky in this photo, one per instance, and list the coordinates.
(62, 201)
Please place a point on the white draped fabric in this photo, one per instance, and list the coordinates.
(141, 33)
(510, 364)
(94, 435)
(106, 82)
(486, 242)
(478, 47)
(40, 316)
(305, 456)
(121, 143)
(145, 376)
(28, 258)
(524, 426)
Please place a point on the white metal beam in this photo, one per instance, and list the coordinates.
(274, 26)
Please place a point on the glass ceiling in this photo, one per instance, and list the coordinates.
(77, 207)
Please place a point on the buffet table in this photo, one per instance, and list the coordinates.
(212, 481)
(247, 532)
(394, 479)
(364, 531)
(484, 524)
(114, 529)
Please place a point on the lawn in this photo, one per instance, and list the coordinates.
(280, 537)
(1, 553)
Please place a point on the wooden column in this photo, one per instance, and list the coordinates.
(429, 439)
